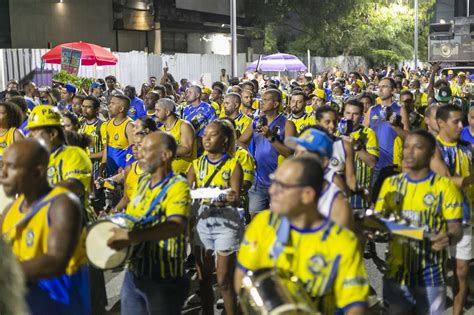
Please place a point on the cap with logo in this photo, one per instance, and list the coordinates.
(44, 116)
(313, 140)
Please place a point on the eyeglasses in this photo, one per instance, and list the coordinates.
(280, 185)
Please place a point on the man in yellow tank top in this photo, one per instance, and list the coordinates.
(181, 130)
(43, 227)
(119, 134)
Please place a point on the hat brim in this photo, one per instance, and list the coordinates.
(292, 142)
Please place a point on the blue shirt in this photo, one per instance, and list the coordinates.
(265, 154)
(137, 108)
(466, 135)
(199, 116)
(385, 134)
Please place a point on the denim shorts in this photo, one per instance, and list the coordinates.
(404, 299)
(219, 229)
(259, 198)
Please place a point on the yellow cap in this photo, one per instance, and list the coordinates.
(318, 93)
(450, 71)
(206, 90)
(360, 84)
(44, 116)
(461, 74)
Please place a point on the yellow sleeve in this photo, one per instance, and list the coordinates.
(351, 286)
(248, 165)
(398, 151)
(103, 133)
(250, 252)
(178, 201)
(381, 205)
(372, 145)
(77, 166)
(452, 201)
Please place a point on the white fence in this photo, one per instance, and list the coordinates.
(134, 68)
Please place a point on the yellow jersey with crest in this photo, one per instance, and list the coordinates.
(116, 135)
(131, 180)
(241, 122)
(72, 163)
(302, 121)
(6, 139)
(151, 205)
(180, 165)
(204, 168)
(430, 203)
(326, 259)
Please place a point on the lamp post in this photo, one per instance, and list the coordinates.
(233, 33)
(415, 39)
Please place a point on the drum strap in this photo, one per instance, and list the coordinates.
(282, 236)
(169, 181)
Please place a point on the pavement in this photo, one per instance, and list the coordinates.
(114, 280)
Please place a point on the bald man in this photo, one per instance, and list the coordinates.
(155, 282)
(43, 226)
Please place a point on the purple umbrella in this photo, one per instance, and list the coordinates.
(277, 62)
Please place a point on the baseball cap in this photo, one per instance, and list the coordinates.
(444, 95)
(360, 84)
(319, 93)
(70, 88)
(450, 71)
(206, 90)
(44, 116)
(461, 74)
(313, 140)
(95, 85)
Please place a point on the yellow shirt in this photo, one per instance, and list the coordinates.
(31, 240)
(326, 259)
(302, 121)
(116, 135)
(247, 162)
(131, 181)
(98, 134)
(6, 139)
(160, 259)
(71, 163)
(241, 122)
(180, 165)
(204, 168)
(429, 203)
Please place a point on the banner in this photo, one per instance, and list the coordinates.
(70, 60)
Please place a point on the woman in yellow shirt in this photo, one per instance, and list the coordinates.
(10, 120)
(218, 227)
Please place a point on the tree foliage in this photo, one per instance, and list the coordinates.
(379, 30)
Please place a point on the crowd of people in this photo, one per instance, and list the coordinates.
(297, 163)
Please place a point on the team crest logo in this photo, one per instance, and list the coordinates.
(316, 264)
(226, 175)
(116, 137)
(334, 162)
(30, 238)
(51, 172)
(429, 199)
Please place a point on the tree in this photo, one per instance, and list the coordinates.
(380, 30)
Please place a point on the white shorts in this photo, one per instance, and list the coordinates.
(463, 249)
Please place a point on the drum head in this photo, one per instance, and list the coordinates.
(99, 254)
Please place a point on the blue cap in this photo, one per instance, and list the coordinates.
(95, 85)
(70, 88)
(313, 140)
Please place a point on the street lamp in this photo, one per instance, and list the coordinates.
(415, 39)
(233, 33)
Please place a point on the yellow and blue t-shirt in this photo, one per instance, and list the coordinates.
(131, 180)
(159, 259)
(6, 139)
(430, 203)
(72, 163)
(326, 259)
(30, 240)
(458, 158)
(204, 168)
(307, 119)
(117, 144)
(364, 173)
(97, 132)
(247, 163)
(180, 165)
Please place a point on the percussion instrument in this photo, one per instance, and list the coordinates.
(393, 225)
(265, 292)
(100, 255)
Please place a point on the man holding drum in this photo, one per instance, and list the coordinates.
(43, 226)
(298, 241)
(155, 282)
